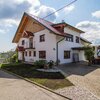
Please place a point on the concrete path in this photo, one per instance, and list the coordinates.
(13, 88)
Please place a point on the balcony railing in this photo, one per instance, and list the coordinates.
(29, 46)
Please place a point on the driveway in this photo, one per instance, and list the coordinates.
(87, 77)
(13, 88)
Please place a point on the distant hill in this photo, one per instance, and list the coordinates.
(6, 55)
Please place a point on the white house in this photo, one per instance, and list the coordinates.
(38, 39)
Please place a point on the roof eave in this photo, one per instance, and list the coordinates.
(13, 41)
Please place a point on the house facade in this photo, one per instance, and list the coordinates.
(38, 39)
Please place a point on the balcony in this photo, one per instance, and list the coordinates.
(20, 48)
(30, 46)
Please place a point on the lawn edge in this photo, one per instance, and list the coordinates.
(32, 82)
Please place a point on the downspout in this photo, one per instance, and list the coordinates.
(57, 49)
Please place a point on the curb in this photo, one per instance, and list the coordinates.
(32, 82)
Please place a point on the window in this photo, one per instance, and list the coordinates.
(42, 54)
(69, 38)
(23, 42)
(34, 53)
(29, 53)
(42, 38)
(77, 39)
(25, 53)
(31, 43)
(66, 54)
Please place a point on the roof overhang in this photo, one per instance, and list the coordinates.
(84, 40)
(69, 26)
(21, 27)
(80, 48)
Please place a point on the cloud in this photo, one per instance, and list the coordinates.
(2, 31)
(68, 9)
(92, 30)
(96, 14)
(44, 11)
(12, 10)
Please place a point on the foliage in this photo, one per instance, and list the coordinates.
(14, 58)
(40, 63)
(89, 54)
(50, 63)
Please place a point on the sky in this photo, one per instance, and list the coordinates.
(83, 14)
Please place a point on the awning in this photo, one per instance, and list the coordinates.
(79, 48)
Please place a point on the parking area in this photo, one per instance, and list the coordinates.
(80, 68)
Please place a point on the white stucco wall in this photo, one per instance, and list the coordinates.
(49, 45)
(96, 51)
(66, 45)
(19, 55)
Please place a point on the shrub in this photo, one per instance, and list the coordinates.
(40, 63)
(89, 54)
(50, 63)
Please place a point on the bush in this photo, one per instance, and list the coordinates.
(40, 63)
(89, 54)
(50, 63)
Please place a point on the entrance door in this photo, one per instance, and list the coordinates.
(75, 57)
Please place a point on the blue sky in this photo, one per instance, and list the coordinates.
(84, 14)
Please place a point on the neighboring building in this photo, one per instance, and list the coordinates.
(38, 39)
(97, 51)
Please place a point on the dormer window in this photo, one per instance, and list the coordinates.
(42, 38)
(23, 42)
(69, 37)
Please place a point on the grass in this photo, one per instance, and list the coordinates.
(49, 79)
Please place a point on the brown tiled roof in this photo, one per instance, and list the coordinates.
(46, 24)
(49, 25)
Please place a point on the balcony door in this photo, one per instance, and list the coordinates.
(31, 42)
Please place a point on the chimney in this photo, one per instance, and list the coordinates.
(63, 21)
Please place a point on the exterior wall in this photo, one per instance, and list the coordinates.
(66, 45)
(81, 55)
(19, 55)
(26, 42)
(49, 45)
(96, 51)
(29, 58)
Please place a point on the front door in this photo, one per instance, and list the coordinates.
(75, 57)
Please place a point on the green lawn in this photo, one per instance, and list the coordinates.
(48, 79)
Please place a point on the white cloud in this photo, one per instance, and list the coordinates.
(92, 30)
(69, 9)
(2, 31)
(44, 11)
(10, 13)
(96, 14)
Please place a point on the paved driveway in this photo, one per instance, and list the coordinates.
(81, 69)
(13, 88)
(84, 76)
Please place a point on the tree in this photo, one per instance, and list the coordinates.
(89, 54)
(14, 58)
